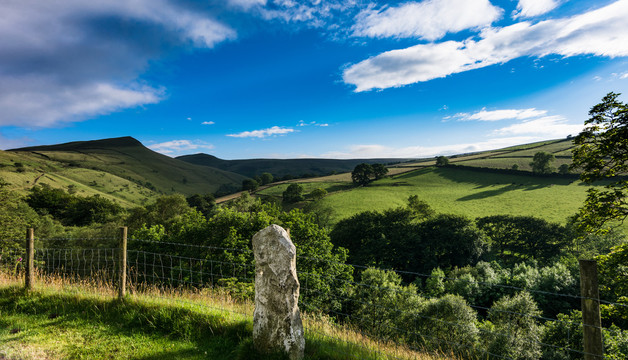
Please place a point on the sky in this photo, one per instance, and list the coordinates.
(307, 79)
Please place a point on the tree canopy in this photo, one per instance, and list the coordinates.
(602, 152)
(542, 163)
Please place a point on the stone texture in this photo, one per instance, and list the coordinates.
(277, 323)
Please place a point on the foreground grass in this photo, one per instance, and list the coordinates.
(79, 321)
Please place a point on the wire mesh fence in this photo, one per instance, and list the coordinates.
(371, 309)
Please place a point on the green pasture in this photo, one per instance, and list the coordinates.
(466, 192)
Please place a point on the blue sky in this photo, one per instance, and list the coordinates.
(319, 78)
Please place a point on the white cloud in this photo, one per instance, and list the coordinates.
(497, 115)
(531, 8)
(275, 130)
(601, 32)
(179, 147)
(382, 151)
(624, 75)
(429, 19)
(311, 123)
(207, 123)
(68, 60)
(547, 127)
(246, 4)
(42, 102)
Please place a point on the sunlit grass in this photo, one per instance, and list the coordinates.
(63, 319)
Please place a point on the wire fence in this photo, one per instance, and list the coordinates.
(369, 309)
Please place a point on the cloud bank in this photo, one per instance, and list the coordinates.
(429, 20)
(69, 60)
(601, 32)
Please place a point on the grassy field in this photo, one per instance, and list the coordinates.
(465, 192)
(61, 320)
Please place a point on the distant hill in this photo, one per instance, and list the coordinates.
(282, 167)
(98, 163)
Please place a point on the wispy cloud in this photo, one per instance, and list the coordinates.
(429, 19)
(207, 123)
(601, 32)
(548, 126)
(504, 114)
(69, 60)
(180, 147)
(273, 131)
(531, 8)
(311, 123)
(382, 151)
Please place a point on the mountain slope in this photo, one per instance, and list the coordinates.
(126, 159)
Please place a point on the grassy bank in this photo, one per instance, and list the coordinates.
(82, 321)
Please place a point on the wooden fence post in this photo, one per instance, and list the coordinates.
(29, 281)
(122, 263)
(591, 321)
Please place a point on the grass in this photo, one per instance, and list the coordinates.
(459, 191)
(62, 320)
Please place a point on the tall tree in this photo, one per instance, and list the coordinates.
(442, 161)
(542, 163)
(361, 174)
(379, 170)
(602, 152)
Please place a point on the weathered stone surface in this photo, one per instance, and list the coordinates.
(276, 321)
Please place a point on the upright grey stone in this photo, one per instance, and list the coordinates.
(276, 321)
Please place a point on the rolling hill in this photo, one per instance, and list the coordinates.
(282, 167)
(119, 168)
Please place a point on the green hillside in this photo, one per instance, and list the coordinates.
(469, 190)
(120, 168)
(282, 167)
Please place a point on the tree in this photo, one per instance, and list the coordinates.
(203, 203)
(541, 163)
(420, 208)
(361, 174)
(294, 193)
(266, 178)
(318, 194)
(602, 152)
(249, 185)
(563, 169)
(379, 170)
(442, 161)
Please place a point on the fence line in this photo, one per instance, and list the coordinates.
(150, 270)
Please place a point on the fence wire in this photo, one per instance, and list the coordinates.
(384, 316)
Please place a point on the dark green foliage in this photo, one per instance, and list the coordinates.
(361, 174)
(377, 239)
(542, 163)
(613, 279)
(203, 203)
(379, 171)
(447, 241)
(70, 209)
(442, 161)
(392, 239)
(165, 210)
(602, 152)
(249, 185)
(293, 193)
(517, 238)
(420, 208)
(564, 169)
(266, 178)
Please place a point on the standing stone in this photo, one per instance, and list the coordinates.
(277, 323)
